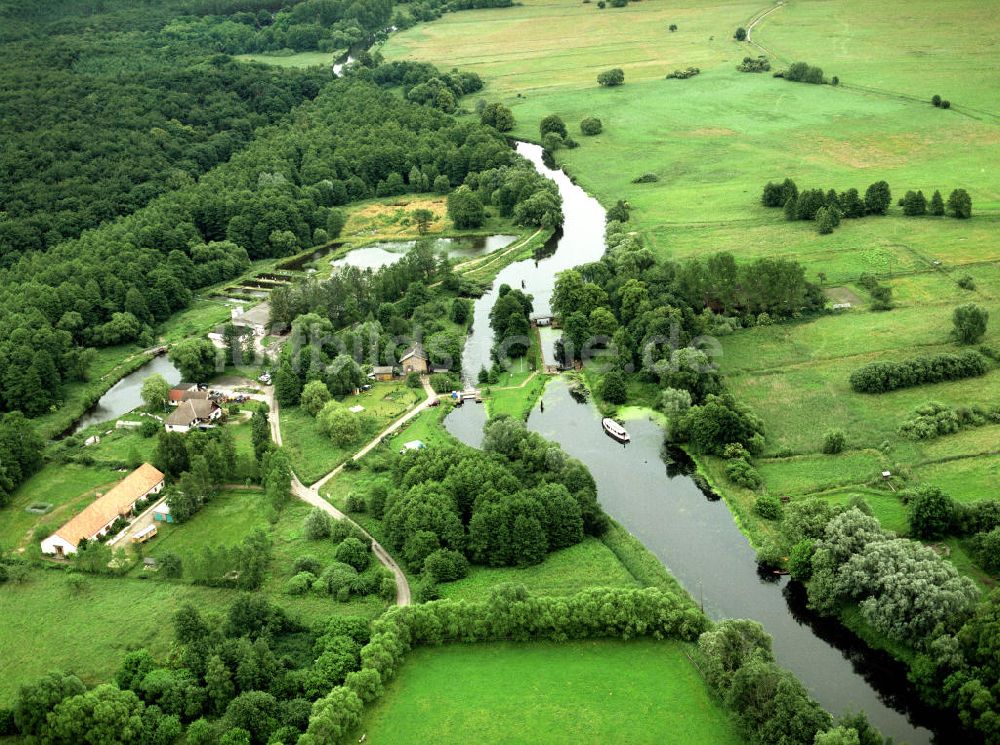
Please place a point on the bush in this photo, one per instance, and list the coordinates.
(881, 377)
(741, 34)
(945, 104)
(307, 563)
(936, 99)
(591, 126)
(986, 548)
(413, 381)
(931, 512)
(742, 473)
(646, 178)
(834, 441)
(445, 382)
(800, 560)
(966, 282)
(300, 584)
(149, 428)
(552, 123)
(613, 388)
(445, 565)
(318, 524)
(684, 74)
(612, 77)
(969, 322)
(552, 141)
(801, 72)
(353, 552)
(755, 64)
(768, 506)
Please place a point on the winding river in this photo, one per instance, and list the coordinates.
(693, 535)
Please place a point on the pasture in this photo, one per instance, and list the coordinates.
(715, 139)
(640, 691)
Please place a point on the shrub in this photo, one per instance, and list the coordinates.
(931, 512)
(880, 377)
(646, 178)
(612, 77)
(300, 584)
(684, 74)
(591, 126)
(755, 64)
(673, 27)
(413, 381)
(945, 104)
(966, 282)
(307, 563)
(444, 382)
(354, 553)
(986, 548)
(768, 506)
(552, 142)
(742, 473)
(827, 219)
(552, 123)
(800, 560)
(802, 72)
(149, 428)
(969, 322)
(613, 388)
(741, 34)
(834, 441)
(936, 99)
(445, 565)
(318, 524)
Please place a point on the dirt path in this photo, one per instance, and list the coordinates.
(311, 495)
(757, 19)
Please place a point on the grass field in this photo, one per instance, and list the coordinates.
(299, 59)
(639, 691)
(314, 454)
(715, 139)
(565, 572)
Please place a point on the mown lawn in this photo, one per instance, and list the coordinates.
(587, 564)
(640, 691)
(68, 488)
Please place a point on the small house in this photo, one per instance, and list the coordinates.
(414, 359)
(161, 513)
(256, 319)
(383, 373)
(96, 519)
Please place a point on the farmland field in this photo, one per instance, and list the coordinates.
(713, 140)
(593, 691)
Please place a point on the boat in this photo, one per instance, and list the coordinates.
(615, 430)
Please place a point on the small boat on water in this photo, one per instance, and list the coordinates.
(615, 430)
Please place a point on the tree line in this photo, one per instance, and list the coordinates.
(827, 208)
(881, 377)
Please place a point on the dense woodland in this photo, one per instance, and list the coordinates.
(275, 196)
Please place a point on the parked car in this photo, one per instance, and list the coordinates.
(265, 378)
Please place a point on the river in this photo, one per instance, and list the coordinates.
(694, 536)
(124, 395)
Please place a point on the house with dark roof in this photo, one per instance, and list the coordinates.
(192, 413)
(414, 359)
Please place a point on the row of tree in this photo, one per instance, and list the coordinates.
(882, 377)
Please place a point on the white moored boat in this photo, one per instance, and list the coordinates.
(616, 430)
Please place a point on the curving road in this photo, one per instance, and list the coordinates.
(311, 495)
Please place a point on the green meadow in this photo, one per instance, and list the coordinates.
(715, 139)
(640, 691)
